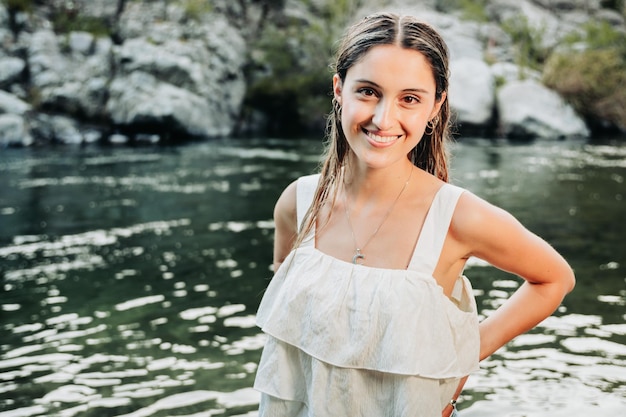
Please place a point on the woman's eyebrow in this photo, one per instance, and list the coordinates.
(372, 83)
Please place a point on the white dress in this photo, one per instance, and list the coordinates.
(346, 340)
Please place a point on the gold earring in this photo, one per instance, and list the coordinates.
(431, 125)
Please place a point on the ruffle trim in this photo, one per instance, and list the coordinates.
(353, 316)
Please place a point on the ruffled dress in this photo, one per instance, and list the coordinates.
(346, 340)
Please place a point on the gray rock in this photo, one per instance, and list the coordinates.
(81, 43)
(14, 131)
(471, 91)
(12, 105)
(142, 100)
(66, 130)
(46, 64)
(60, 129)
(612, 17)
(11, 69)
(75, 84)
(207, 69)
(527, 109)
(507, 72)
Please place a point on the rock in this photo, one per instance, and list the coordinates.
(81, 43)
(14, 131)
(548, 25)
(612, 17)
(11, 70)
(141, 100)
(507, 71)
(56, 129)
(66, 130)
(74, 84)
(527, 109)
(471, 91)
(12, 105)
(46, 64)
(206, 70)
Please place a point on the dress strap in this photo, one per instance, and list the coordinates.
(305, 191)
(435, 229)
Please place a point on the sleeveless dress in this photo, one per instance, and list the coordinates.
(346, 340)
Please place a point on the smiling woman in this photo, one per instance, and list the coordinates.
(368, 312)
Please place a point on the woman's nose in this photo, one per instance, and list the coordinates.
(384, 114)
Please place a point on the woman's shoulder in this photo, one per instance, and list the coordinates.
(286, 203)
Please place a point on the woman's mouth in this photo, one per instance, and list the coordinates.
(381, 139)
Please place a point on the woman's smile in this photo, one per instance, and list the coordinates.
(381, 139)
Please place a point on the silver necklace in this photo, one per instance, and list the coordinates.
(358, 254)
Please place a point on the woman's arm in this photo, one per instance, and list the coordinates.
(286, 224)
(492, 234)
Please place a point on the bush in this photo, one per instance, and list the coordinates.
(19, 5)
(593, 79)
(528, 42)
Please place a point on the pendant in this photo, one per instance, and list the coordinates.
(358, 255)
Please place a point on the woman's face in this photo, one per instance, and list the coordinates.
(387, 98)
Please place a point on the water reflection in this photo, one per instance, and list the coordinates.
(131, 276)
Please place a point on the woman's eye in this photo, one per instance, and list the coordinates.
(411, 100)
(367, 92)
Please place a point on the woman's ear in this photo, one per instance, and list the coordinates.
(337, 87)
(438, 105)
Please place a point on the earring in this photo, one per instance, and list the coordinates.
(431, 125)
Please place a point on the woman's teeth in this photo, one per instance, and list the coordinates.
(382, 139)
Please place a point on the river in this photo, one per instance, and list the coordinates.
(131, 276)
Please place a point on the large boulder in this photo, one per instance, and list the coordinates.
(175, 83)
(12, 105)
(141, 102)
(528, 109)
(14, 131)
(472, 91)
(75, 81)
(11, 70)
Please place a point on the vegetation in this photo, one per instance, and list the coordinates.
(592, 79)
(195, 9)
(527, 39)
(19, 5)
(65, 21)
(289, 76)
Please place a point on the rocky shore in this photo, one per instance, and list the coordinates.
(160, 71)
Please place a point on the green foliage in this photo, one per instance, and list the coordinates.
(598, 35)
(64, 22)
(291, 82)
(592, 80)
(528, 42)
(474, 10)
(195, 9)
(19, 5)
(469, 9)
(290, 78)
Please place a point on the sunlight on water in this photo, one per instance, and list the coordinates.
(131, 277)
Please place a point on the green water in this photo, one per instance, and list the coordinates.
(131, 276)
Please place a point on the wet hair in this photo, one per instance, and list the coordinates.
(431, 152)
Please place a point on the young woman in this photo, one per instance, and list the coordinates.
(368, 313)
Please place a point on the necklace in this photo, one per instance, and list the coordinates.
(358, 254)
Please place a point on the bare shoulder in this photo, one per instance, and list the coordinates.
(484, 228)
(286, 223)
(495, 235)
(285, 208)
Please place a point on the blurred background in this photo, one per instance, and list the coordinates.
(143, 145)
